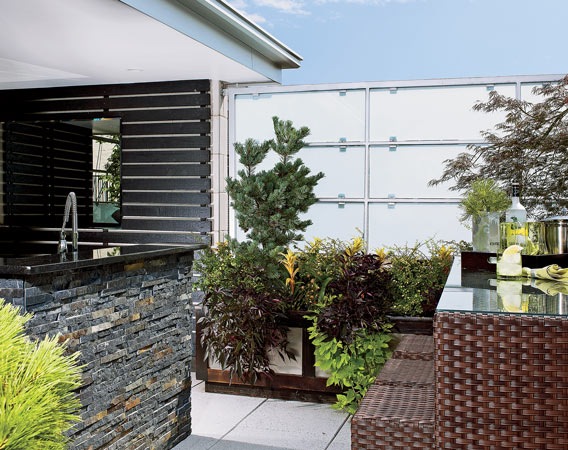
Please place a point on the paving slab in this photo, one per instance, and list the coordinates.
(214, 415)
(289, 425)
(195, 442)
(343, 439)
(195, 381)
(232, 445)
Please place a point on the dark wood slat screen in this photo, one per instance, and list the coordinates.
(165, 130)
(37, 178)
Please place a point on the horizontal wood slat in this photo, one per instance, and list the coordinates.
(39, 209)
(131, 129)
(40, 190)
(43, 141)
(11, 147)
(165, 156)
(79, 173)
(31, 199)
(143, 237)
(37, 180)
(201, 226)
(133, 115)
(59, 131)
(165, 170)
(157, 184)
(165, 142)
(168, 152)
(113, 103)
(104, 236)
(41, 160)
(166, 211)
(37, 166)
(187, 198)
(159, 87)
(165, 114)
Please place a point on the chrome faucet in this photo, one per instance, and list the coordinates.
(70, 204)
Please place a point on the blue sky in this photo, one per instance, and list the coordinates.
(374, 40)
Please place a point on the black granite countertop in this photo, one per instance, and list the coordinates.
(31, 265)
(479, 291)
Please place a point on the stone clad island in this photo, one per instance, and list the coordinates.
(127, 310)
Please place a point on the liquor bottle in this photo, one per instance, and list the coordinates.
(514, 229)
(517, 212)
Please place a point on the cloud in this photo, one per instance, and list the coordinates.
(285, 6)
(239, 4)
(257, 18)
(242, 6)
(364, 2)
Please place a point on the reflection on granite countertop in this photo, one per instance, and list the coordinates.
(30, 265)
(481, 292)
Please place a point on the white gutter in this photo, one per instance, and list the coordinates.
(222, 28)
(241, 27)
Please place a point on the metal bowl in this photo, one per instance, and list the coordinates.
(556, 234)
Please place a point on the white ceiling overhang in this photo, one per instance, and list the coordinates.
(82, 42)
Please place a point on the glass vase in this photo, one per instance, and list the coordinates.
(485, 232)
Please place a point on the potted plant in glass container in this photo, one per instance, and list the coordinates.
(484, 203)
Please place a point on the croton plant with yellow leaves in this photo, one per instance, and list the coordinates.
(346, 291)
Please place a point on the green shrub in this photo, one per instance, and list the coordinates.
(268, 203)
(350, 329)
(418, 276)
(245, 298)
(483, 196)
(244, 308)
(354, 366)
(37, 404)
(316, 265)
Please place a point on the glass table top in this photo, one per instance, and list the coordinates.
(481, 292)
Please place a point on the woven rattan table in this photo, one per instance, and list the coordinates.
(501, 365)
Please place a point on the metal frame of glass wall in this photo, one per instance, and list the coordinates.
(516, 85)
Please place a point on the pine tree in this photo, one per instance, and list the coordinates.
(268, 203)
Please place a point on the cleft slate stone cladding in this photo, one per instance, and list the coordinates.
(131, 323)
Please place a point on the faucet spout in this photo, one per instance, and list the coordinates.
(70, 206)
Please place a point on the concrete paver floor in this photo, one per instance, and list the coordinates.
(234, 422)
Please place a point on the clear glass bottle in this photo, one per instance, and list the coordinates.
(514, 229)
(517, 212)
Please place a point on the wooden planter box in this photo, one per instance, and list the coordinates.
(295, 380)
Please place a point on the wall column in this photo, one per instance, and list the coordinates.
(219, 161)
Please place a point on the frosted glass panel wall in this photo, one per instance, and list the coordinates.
(431, 113)
(402, 223)
(378, 147)
(339, 221)
(404, 171)
(332, 116)
(527, 94)
(343, 168)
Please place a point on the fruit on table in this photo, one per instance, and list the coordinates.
(510, 293)
(509, 265)
(512, 250)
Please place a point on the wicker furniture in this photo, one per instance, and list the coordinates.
(501, 377)
(407, 372)
(415, 348)
(398, 410)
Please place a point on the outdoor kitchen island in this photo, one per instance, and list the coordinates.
(127, 310)
(501, 363)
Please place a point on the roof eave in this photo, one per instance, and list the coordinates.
(234, 22)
